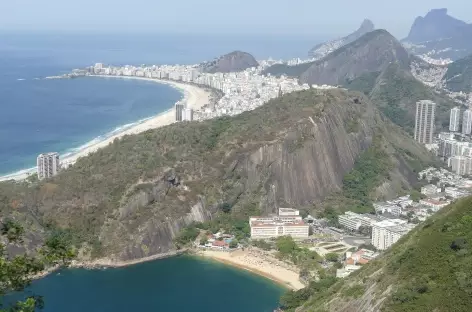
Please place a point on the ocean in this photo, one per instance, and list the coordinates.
(178, 284)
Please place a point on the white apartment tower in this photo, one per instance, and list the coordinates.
(424, 121)
(454, 120)
(467, 122)
(48, 165)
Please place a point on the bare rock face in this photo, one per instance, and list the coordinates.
(231, 62)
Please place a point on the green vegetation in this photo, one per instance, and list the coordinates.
(369, 171)
(427, 270)
(186, 236)
(332, 257)
(16, 272)
(304, 258)
(459, 75)
(416, 196)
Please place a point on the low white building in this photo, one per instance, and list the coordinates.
(434, 204)
(353, 221)
(387, 232)
(347, 270)
(430, 190)
(288, 222)
(388, 208)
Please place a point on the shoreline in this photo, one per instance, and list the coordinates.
(256, 265)
(194, 96)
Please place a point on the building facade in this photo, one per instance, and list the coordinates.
(48, 165)
(454, 119)
(179, 111)
(388, 232)
(353, 221)
(461, 164)
(288, 222)
(467, 122)
(424, 121)
(187, 114)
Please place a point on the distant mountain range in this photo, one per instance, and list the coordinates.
(439, 35)
(231, 62)
(323, 49)
(378, 65)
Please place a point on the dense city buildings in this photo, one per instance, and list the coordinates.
(48, 165)
(461, 164)
(454, 119)
(467, 122)
(424, 121)
(387, 232)
(288, 222)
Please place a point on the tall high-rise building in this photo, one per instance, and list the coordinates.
(179, 111)
(454, 120)
(48, 165)
(424, 121)
(467, 122)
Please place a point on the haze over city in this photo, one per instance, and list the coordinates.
(303, 17)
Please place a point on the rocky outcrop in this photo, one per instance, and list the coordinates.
(231, 62)
(323, 49)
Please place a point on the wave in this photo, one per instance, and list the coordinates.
(20, 79)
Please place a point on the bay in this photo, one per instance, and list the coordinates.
(177, 284)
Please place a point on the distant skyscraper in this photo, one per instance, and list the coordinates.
(454, 119)
(48, 165)
(424, 121)
(467, 122)
(179, 111)
(280, 92)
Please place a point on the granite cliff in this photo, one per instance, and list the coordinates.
(130, 199)
(231, 62)
(439, 35)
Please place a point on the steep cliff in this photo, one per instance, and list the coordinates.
(427, 270)
(231, 62)
(130, 199)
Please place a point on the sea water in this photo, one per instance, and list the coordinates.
(178, 284)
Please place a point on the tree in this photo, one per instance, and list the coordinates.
(15, 275)
(233, 244)
(203, 241)
(332, 257)
(225, 207)
(58, 248)
(285, 245)
(416, 196)
(13, 231)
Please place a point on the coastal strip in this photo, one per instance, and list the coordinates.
(243, 259)
(194, 97)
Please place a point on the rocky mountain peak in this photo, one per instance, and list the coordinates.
(436, 24)
(367, 26)
(231, 62)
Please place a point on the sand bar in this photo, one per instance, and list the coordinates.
(251, 261)
(194, 96)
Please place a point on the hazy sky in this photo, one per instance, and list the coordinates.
(314, 17)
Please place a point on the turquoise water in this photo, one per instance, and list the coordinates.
(178, 284)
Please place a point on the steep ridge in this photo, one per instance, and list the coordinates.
(430, 269)
(458, 76)
(231, 62)
(373, 52)
(439, 35)
(321, 50)
(130, 199)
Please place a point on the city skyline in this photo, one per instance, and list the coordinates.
(209, 16)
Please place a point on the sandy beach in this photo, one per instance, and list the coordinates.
(253, 261)
(194, 96)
